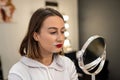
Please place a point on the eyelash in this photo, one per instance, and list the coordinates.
(56, 32)
(63, 32)
(52, 32)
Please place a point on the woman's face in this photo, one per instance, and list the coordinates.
(51, 36)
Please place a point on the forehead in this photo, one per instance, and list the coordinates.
(53, 21)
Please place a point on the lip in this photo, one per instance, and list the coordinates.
(59, 45)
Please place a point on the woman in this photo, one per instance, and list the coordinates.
(41, 50)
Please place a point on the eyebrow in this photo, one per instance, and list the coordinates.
(55, 28)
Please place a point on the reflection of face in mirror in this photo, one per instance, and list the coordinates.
(94, 50)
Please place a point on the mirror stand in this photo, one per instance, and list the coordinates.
(93, 77)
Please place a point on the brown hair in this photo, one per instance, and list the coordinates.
(29, 46)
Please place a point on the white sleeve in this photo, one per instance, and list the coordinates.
(13, 76)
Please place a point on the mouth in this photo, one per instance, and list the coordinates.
(59, 45)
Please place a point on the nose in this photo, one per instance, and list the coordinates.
(60, 37)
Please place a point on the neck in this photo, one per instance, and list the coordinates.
(46, 59)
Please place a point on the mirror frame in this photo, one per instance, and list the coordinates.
(100, 60)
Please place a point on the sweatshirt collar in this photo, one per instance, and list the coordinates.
(57, 63)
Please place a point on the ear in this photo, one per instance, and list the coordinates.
(36, 36)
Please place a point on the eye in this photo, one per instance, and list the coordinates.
(63, 31)
(53, 32)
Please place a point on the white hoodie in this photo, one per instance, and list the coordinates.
(62, 68)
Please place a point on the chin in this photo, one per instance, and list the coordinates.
(56, 51)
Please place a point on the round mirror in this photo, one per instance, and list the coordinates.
(92, 56)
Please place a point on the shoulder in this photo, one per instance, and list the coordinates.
(19, 69)
(65, 58)
(67, 61)
(69, 67)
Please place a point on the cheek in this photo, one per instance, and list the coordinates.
(47, 41)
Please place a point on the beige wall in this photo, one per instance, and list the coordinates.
(11, 34)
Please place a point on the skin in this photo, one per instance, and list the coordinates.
(51, 33)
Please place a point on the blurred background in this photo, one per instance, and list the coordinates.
(84, 19)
